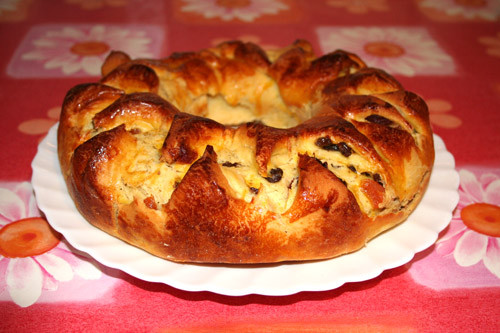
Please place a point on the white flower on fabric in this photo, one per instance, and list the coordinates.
(406, 51)
(84, 48)
(470, 9)
(474, 233)
(227, 10)
(32, 258)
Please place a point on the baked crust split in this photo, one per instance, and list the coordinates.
(235, 154)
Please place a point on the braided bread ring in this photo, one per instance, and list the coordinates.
(238, 155)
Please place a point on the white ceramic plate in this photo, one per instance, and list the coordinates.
(391, 249)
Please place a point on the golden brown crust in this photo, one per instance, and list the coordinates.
(276, 155)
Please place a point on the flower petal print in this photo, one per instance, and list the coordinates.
(484, 9)
(83, 48)
(227, 10)
(32, 258)
(18, 204)
(24, 280)
(470, 248)
(490, 260)
(406, 51)
(439, 112)
(469, 238)
(37, 126)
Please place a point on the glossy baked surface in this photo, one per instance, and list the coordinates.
(307, 158)
(391, 249)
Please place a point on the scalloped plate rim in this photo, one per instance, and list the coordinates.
(220, 278)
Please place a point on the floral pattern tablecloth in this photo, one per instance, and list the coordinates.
(447, 51)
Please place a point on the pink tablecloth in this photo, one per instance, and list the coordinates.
(447, 51)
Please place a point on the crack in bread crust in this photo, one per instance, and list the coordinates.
(235, 154)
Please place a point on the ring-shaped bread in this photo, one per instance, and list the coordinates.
(238, 155)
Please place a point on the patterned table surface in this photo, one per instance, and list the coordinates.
(447, 51)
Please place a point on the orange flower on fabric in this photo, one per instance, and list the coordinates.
(492, 44)
(360, 6)
(33, 259)
(439, 113)
(27, 237)
(473, 235)
(96, 4)
(228, 10)
(14, 10)
(75, 49)
(461, 10)
(408, 51)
